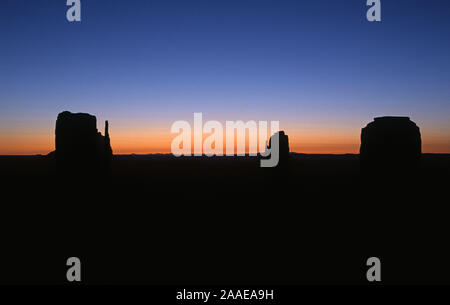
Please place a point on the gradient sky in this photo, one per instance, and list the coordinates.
(319, 67)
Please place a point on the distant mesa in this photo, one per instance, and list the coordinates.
(80, 147)
(283, 147)
(390, 144)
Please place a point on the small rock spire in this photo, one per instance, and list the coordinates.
(106, 129)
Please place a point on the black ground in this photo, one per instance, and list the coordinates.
(224, 220)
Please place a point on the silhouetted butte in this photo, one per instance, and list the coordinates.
(80, 147)
(283, 141)
(390, 145)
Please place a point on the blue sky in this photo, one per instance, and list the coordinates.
(313, 65)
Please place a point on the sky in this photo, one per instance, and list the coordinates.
(318, 67)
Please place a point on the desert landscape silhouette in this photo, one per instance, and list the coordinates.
(160, 219)
(98, 99)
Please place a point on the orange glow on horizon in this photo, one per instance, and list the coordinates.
(159, 141)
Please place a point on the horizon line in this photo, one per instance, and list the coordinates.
(224, 155)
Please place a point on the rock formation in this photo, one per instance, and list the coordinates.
(283, 147)
(80, 147)
(390, 145)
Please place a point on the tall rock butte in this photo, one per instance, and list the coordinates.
(80, 147)
(390, 145)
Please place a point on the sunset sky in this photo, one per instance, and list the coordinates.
(318, 67)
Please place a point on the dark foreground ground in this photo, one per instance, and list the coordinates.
(166, 220)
